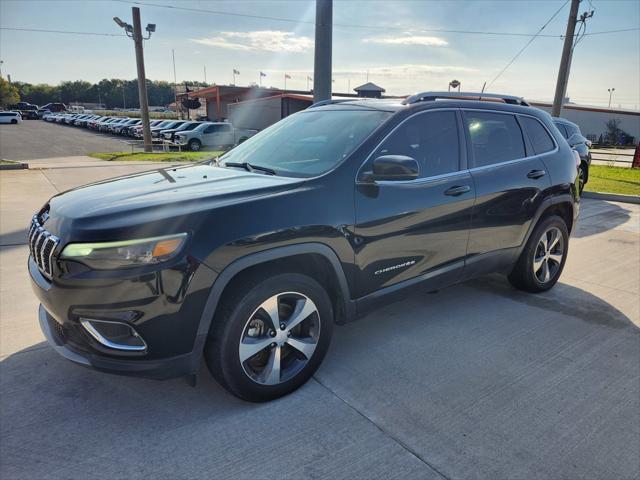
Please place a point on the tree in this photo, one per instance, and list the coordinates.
(8, 94)
(613, 131)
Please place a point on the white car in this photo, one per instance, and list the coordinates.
(10, 117)
(211, 135)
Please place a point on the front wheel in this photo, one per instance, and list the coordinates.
(14, 121)
(195, 145)
(270, 335)
(542, 260)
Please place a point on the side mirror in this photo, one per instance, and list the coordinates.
(575, 139)
(395, 168)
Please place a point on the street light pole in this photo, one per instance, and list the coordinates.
(135, 31)
(610, 90)
(142, 80)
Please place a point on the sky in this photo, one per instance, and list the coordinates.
(399, 43)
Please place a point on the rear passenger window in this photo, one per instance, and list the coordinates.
(563, 130)
(431, 138)
(540, 138)
(495, 137)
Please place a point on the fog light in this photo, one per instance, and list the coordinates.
(116, 335)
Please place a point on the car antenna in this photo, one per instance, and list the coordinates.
(482, 91)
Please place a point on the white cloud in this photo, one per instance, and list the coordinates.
(405, 70)
(260, 40)
(409, 40)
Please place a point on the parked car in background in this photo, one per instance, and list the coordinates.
(55, 107)
(169, 135)
(42, 112)
(10, 117)
(571, 132)
(212, 135)
(136, 132)
(156, 132)
(121, 128)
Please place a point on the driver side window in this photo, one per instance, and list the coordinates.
(431, 138)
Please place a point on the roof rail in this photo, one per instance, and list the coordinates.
(336, 100)
(432, 96)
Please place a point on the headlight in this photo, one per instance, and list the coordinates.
(128, 253)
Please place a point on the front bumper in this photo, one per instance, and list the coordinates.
(64, 343)
(163, 306)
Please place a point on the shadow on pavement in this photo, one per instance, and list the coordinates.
(597, 217)
(476, 381)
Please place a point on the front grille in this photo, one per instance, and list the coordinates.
(42, 247)
(56, 327)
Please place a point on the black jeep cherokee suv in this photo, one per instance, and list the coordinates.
(250, 259)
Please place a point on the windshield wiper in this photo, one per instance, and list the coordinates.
(251, 168)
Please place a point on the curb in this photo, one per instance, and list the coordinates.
(14, 165)
(612, 197)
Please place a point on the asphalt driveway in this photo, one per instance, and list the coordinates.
(476, 381)
(36, 139)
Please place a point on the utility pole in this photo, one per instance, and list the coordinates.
(135, 32)
(322, 54)
(142, 80)
(565, 61)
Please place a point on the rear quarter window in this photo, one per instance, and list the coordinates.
(540, 139)
(495, 137)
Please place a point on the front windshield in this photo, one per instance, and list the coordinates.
(308, 143)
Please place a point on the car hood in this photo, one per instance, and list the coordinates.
(149, 198)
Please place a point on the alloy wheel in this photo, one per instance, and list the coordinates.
(548, 255)
(279, 338)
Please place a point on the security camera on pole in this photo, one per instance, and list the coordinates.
(135, 32)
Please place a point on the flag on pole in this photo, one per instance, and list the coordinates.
(236, 72)
(310, 79)
(286, 75)
(262, 74)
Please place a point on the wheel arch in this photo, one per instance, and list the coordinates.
(314, 259)
(561, 205)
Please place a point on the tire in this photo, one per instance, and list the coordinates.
(241, 322)
(195, 145)
(529, 272)
(583, 175)
(14, 121)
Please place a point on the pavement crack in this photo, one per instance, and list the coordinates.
(49, 180)
(386, 433)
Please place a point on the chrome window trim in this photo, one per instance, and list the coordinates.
(417, 180)
(515, 160)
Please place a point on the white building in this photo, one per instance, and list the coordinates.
(593, 120)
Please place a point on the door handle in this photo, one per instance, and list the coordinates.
(535, 174)
(457, 190)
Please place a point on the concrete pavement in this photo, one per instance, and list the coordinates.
(477, 381)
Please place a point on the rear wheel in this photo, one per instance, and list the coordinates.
(542, 260)
(270, 335)
(195, 145)
(14, 121)
(582, 177)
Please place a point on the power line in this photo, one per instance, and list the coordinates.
(528, 43)
(335, 25)
(67, 32)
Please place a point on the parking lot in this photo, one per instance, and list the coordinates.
(476, 381)
(36, 139)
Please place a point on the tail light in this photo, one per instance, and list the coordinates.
(576, 156)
